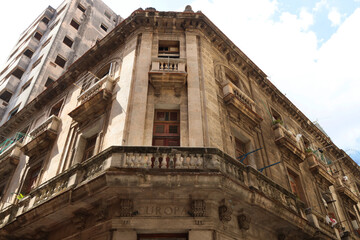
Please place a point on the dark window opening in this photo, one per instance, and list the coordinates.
(55, 110)
(68, 42)
(103, 27)
(166, 128)
(240, 149)
(81, 8)
(89, 147)
(31, 178)
(26, 85)
(36, 63)
(45, 20)
(75, 24)
(18, 73)
(13, 112)
(49, 81)
(295, 185)
(6, 96)
(60, 61)
(28, 53)
(104, 71)
(276, 117)
(38, 36)
(169, 49)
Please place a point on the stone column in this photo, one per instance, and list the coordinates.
(200, 234)
(140, 91)
(124, 235)
(196, 136)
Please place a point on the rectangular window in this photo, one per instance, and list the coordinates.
(276, 117)
(26, 85)
(89, 147)
(75, 24)
(240, 149)
(47, 42)
(38, 36)
(49, 81)
(54, 25)
(166, 128)
(55, 110)
(18, 73)
(81, 8)
(60, 61)
(13, 112)
(169, 49)
(295, 185)
(103, 27)
(107, 15)
(32, 178)
(6, 96)
(36, 63)
(28, 53)
(68, 42)
(45, 20)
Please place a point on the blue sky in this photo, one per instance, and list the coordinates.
(309, 48)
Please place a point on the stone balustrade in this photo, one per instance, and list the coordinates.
(230, 89)
(96, 85)
(155, 159)
(168, 64)
(51, 124)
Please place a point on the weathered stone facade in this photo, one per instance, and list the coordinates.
(98, 169)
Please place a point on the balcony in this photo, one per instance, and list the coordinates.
(42, 136)
(145, 170)
(239, 101)
(318, 168)
(343, 189)
(10, 154)
(286, 139)
(10, 84)
(168, 73)
(94, 99)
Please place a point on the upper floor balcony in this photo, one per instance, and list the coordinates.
(319, 168)
(238, 100)
(10, 153)
(287, 139)
(168, 73)
(43, 136)
(344, 190)
(94, 97)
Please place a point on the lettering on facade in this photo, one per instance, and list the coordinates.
(156, 210)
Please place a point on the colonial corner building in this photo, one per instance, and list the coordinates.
(157, 127)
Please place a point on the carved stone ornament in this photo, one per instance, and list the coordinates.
(225, 210)
(198, 208)
(79, 219)
(101, 211)
(126, 208)
(244, 221)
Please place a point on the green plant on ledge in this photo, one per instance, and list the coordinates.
(278, 121)
(308, 150)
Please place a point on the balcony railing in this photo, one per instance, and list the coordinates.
(9, 157)
(239, 101)
(318, 167)
(156, 160)
(286, 139)
(168, 73)
(42, 136)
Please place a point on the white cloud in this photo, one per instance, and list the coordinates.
(335, 17)
(321, 4)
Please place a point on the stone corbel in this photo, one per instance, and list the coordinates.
(225, 211)
(198, 211)
(101, 210)
(244, 221)
(79, 219)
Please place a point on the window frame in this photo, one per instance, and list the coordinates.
(166, 136)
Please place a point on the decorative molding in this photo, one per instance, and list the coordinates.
(126, 208)
(244, 221)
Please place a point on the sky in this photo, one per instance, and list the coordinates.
(310, 49)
